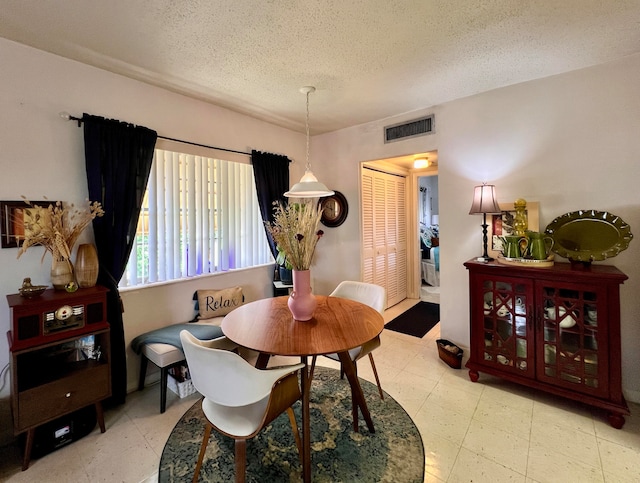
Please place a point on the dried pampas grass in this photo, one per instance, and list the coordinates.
(55, 227)
(295, 231)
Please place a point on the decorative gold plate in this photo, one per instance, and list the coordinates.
(589, 235)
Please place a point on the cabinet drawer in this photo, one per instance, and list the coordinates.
(48, 401)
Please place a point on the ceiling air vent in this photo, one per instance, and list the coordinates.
(411, 129)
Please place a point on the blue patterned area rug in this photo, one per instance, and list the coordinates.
(338, 454)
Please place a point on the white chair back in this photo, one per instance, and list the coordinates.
(370, 294)
(222, 376)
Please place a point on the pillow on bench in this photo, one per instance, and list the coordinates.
(217, 303)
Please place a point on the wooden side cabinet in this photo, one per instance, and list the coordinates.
(556, 329)
(60, 358)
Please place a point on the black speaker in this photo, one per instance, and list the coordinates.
(28, 327)
(94, 313)
(62, 431)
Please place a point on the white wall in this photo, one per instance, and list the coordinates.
(42, 155)
(569, 142)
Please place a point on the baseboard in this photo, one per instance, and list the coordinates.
(632, 396)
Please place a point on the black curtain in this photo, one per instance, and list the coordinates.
(118, 158)
(271, 172)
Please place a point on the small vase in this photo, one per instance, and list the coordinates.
(87, 266)
(302, 302)
(61, 272)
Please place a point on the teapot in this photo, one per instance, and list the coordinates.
(513, 246)
(540, 245)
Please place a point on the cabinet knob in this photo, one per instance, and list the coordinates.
(67, 394)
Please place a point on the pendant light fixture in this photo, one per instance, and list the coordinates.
(309, 186)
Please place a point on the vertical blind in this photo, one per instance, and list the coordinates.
(200, 215)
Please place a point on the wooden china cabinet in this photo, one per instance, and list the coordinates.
(556, 329)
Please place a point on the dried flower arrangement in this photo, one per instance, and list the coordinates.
(55, 227)
(295, 231)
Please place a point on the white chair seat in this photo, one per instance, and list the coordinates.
(238, 421)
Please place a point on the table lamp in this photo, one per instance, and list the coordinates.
(484, 202)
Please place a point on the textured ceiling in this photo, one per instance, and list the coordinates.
(369, 59)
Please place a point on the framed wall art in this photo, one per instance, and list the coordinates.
(13, 215)
(502, 224)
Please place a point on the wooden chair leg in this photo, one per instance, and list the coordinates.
(241, 460)
(296, 433)
(375, 373)
(203, 448)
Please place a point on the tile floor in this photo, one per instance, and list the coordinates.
(489, 431)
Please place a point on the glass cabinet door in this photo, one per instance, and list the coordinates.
(572, 343)
(507, 321)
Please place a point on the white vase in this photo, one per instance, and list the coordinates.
(61, 272)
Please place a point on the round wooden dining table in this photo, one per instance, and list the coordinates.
(337, 325)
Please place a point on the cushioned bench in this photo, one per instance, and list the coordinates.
(162, 346)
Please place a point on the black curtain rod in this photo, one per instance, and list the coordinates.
(79, 121)
(204, 145)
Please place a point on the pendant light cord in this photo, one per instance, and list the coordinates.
(308, 166)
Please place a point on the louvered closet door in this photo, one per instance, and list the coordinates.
(384, 230)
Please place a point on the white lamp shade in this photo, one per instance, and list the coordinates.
(308, 187)
(485, 200)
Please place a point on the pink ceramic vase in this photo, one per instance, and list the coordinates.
(301, 302)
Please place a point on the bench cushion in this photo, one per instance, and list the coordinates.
(163, 354)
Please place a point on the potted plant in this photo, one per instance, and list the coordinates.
(284, 267)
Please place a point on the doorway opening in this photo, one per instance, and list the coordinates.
(429, 234)
(413, 213)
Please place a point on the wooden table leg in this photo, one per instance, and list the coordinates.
(306, 430)
(357, 395)
(263, 360)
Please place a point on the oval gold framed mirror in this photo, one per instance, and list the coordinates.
(334, 210)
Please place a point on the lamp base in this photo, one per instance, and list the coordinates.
(484, 259)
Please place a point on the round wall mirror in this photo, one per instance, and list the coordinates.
(334, 210)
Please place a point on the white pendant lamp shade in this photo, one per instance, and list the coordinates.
(308, 186)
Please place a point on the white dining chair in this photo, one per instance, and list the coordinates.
(239, 400)
(375, 297)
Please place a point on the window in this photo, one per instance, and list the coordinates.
(199, 215)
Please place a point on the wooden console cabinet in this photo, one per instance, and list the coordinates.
(556, 329)
(60, 357)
